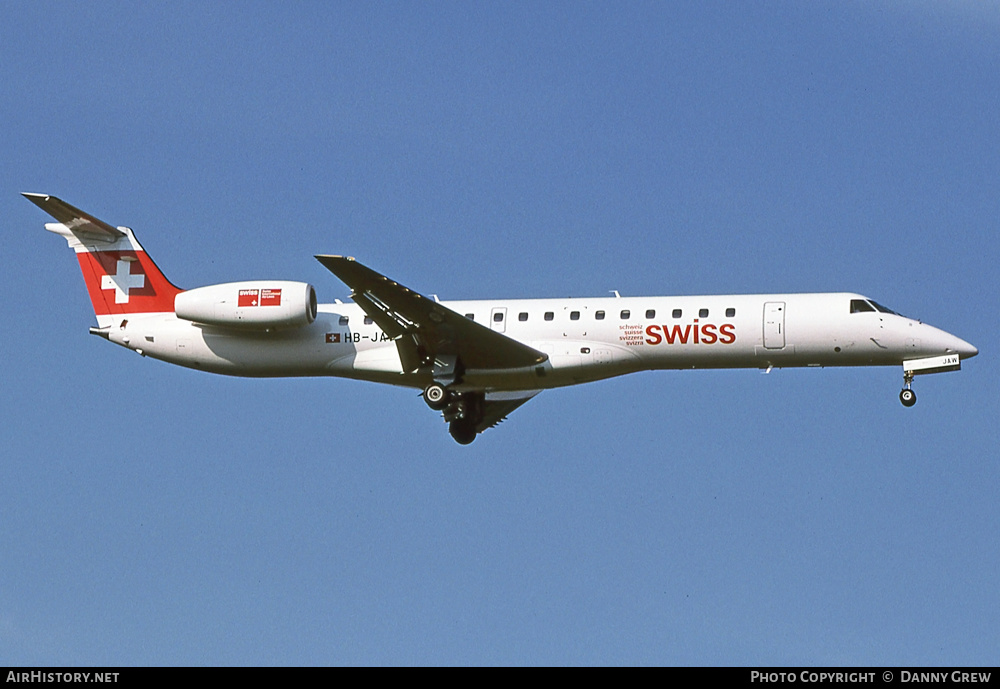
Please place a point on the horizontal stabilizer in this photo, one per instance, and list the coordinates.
(83, 225)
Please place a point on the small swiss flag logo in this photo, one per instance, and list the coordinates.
(249, 297)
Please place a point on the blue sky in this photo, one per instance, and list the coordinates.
(155, 515)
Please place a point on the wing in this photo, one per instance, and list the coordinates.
(427, 333)
(83, 225)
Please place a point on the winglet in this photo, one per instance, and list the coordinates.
(75, 220)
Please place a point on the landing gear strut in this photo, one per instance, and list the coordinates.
(906, 395)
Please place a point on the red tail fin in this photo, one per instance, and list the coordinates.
(121, 278)
(125, 281)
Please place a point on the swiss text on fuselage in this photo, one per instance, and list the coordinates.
(693, 333)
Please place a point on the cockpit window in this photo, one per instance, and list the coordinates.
(860, 306)
(883, 309)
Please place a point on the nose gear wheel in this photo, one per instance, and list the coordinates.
(907, 396)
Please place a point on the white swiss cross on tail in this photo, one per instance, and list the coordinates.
(123, 281)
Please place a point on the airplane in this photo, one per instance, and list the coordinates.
(475, 361)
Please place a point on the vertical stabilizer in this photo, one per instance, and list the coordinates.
(120, 276)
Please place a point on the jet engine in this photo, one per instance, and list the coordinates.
(252, 305)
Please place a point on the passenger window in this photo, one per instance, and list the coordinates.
(368, 320)
(574, 315)
(626, 314)
(343, 320)
(650, 313)
(498, 316)
(677, 313)
(599, 315)
(549, 315)
(860, 306)
(730, 312)
(702, 313)
(471, 316)
(523, 316)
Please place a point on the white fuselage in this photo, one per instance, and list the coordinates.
(585, 339)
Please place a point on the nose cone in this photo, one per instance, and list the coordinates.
(938, 341)
(964, 349)
(957, 345)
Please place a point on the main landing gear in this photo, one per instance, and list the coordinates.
(906, 395)
(462, 410)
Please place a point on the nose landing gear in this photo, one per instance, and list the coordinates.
(907, 396)
(931, 364)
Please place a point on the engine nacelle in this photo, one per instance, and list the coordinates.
(253, 305)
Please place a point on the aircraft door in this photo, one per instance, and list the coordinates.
(774, 325)
(498, 319)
